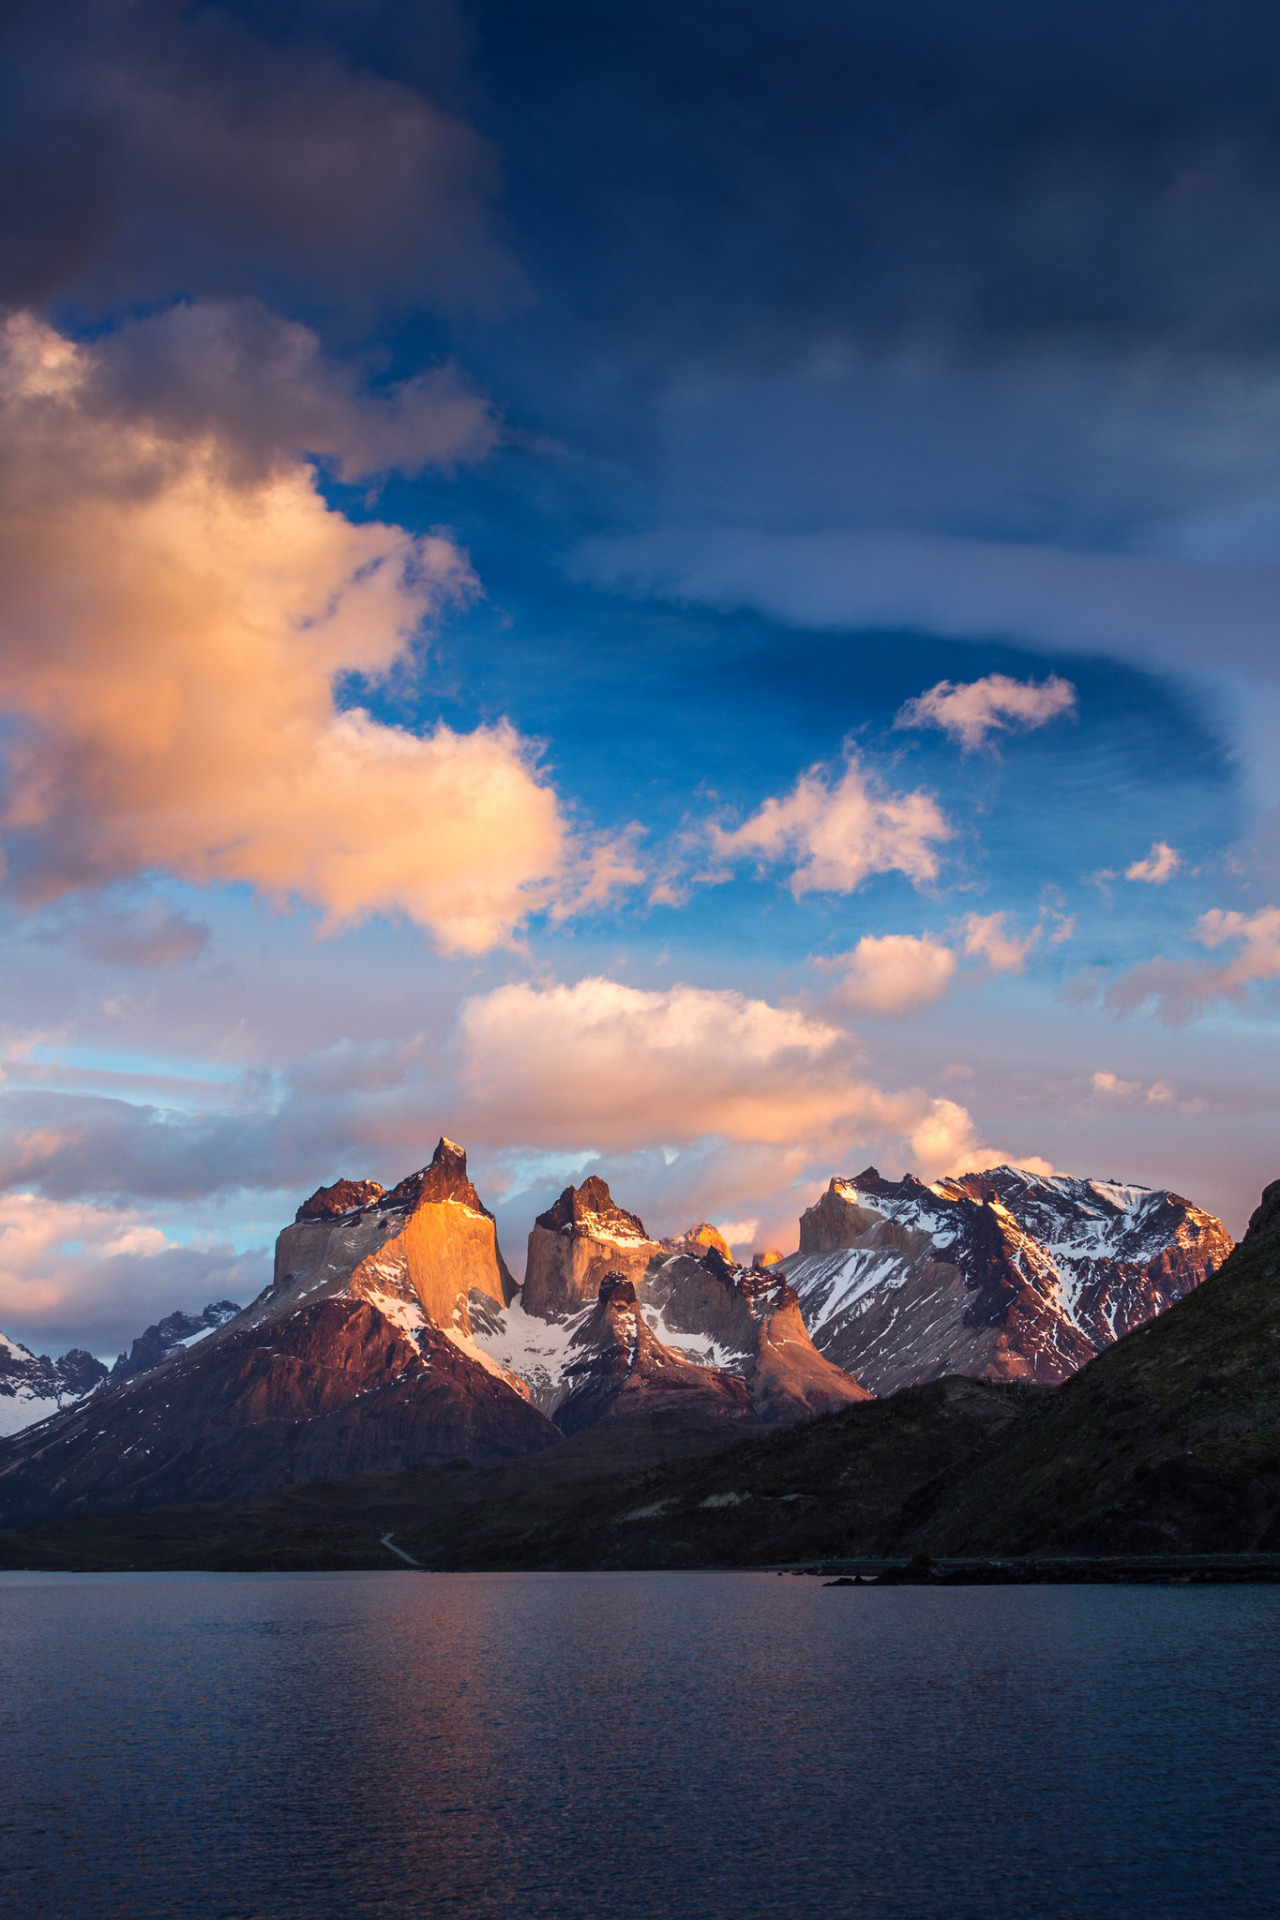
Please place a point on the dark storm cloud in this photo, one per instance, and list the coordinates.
(990, 172)
(153, 149)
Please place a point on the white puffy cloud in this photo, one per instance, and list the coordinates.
(971, 711)
(838, 833)
(895, 973)
(1160, 865)
(172, 619)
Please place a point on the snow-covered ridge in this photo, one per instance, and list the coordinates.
(1004, 1273)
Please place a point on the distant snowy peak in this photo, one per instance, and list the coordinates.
(1001, 1274)
(170, 1335)
(32, 1386)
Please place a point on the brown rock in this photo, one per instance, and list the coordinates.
(345, 1196)
(358, 1358)
(624, 1372)
(575, 1243)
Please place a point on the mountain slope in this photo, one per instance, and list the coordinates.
(357, 1358)
(748, 1321)
(32, 1386)
(1168, 1442)
(693, 1307)
(1001, 1275)
(618, 1370)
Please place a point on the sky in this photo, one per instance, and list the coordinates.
(685, 592)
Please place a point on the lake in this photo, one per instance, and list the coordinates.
(251, 1747)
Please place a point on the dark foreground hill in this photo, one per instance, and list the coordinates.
(1167, 1444)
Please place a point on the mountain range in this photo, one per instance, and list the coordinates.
(394, 1337)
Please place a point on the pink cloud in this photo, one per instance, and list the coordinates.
(971, 711)
(170, 628)
(838, 833)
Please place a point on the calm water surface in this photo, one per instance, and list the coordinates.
(252, 1747)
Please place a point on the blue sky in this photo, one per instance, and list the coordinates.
(480, 489)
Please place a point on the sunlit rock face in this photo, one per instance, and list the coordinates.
(575, 1243)
(1002, 1275)
(430, 1240)
(357, 1358)
(701, 1239)
(699, 1325)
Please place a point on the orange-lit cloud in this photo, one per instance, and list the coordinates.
(987, 937)
(838, 833)
(1158, 868)
(77, 1274)
(971, 711)
(895, 973)
(619, 1068)
(170, 629)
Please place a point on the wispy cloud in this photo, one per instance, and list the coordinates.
(972, 711)
(1178, 990)
(1160, 865)
(1158, 1094)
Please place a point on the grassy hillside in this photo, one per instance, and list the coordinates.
(1168, 1442)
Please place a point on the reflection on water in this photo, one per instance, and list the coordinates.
(260, 1747)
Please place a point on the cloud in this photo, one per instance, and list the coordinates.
(1154, 612)
(1159, 866)
(153, 935)
(1159, 1093)
(972, 711)
(895, 973)
(148, 148)
(265, 388)
(624, 1068)
(1178, 990)
(838, 834)
(170, 630)
(987, 937)
(76, 1275)
(901, 972)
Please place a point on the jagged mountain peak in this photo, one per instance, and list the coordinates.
(166, 1336)
(695, 1239)
(344, 1196)
(999, 1273)
(575, 1243)
(444, 1178)
(32, 1386)
(591, 1209)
